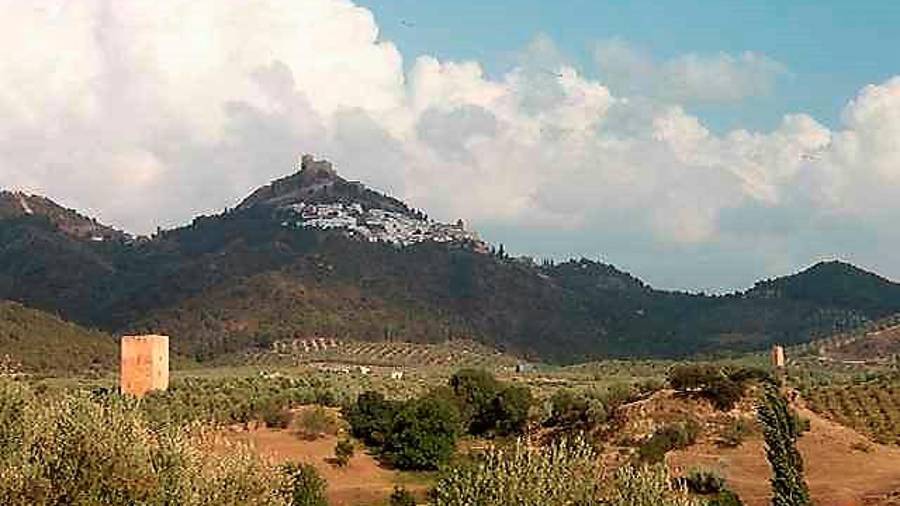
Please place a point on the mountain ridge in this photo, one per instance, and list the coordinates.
(313, 254)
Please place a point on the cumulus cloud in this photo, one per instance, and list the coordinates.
(691, 77)
(140, 112)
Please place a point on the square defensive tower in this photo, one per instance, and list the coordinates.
(777, 356)
(145, 364)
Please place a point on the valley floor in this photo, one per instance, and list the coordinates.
(363, 482)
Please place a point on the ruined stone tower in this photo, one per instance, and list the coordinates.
(778, 357)
(145, 364)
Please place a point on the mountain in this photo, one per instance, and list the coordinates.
(18, 205)
(835, 284)
(36, 342)
(313, 254)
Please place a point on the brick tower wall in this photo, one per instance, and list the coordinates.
(145, 364)
(777, 356)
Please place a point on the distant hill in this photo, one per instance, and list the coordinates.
(18, 205)
(314, 255)
(835, 284)
(37, 342)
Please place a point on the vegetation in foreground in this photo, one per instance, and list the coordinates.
(781, 430)
(410, 432)
(566, 472)
(75, 449)
(421, 433)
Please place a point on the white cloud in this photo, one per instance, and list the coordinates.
(692, 77)
(143, 111)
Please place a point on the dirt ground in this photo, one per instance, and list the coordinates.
(842, 467)
(362, 482)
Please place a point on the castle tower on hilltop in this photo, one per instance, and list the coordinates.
(317, 168)
(145, 364)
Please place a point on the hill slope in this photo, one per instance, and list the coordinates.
(315, 255)
(38, 342)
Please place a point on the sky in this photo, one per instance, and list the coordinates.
(699, 145)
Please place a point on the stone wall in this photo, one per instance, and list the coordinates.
(145, 364)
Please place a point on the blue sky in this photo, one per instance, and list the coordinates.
(830, 48)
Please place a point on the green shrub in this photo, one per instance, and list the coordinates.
(423, 434)
(564, 473)
(475, 391)
(645, 486)
(620, 393)
(723, 386)
(304, 485)
(371, 417)
(734, 434)
(343, 452)
(510, 409)
(402, 497)
(567, 409)
(725, 498)
(276, 416)
(72, 448)
(692, 377)
(667, 438)
(801, 424)
(315, 422)
(704, 482)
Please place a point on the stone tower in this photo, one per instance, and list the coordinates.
(778, 357)
(145, 364)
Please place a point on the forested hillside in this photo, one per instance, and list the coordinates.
(33, 341)
(249, 277)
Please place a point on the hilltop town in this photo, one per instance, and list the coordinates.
(316, 197)
(379, 225)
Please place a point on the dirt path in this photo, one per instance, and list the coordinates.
(362, 482)
(839, 471)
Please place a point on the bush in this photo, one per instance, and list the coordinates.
(563, 473)
(646, 486)
(475, 391)
(704, 482)
(315, 422)
(724, 393)
(276, 417)
(692, 377)
(74, 449)
(723, 386)
(667, 438)
(423, 434)
(725, 498)
(488, 407)
(567, 409)
(371, 417)
(573, 412)
(620, 393)
(802, 425)
(343, 452)
(304, 485)
(510, 409)
(402, 497)
(734, 434)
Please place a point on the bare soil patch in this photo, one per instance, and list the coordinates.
(842, 467)
(363, 481)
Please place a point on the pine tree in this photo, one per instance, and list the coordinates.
(781, 430)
